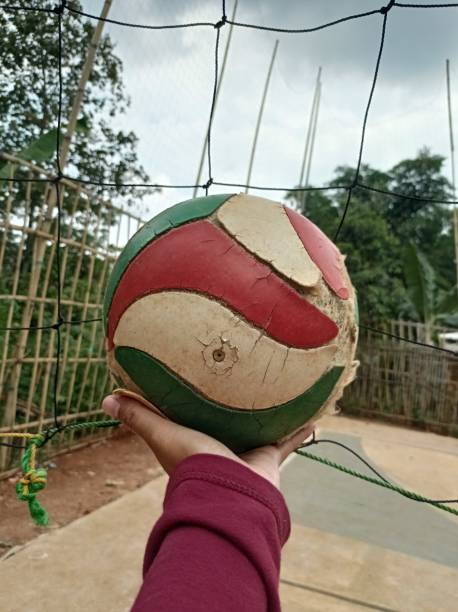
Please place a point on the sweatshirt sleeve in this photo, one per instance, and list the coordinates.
(217, 545)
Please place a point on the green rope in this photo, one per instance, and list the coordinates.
(52, 431)
(376, 481)
(34, 478)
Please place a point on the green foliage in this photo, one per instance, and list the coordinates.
(81, 383)
(430, 303)
(426, 224)
(29, 95)
(29, 104)
(40, 150)
(378, 227)
(420, 283)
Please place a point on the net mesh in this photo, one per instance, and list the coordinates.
(60, 365)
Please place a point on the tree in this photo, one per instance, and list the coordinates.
(426, 224)
(377, 227)
(371, 249)
(29, 95)
(29, 105)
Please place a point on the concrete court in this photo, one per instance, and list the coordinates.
(353, 546)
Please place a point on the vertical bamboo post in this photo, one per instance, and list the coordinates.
(312, 143)
(220, 80)
(261, 111)
(39, 247)
(310, 138)
(452, 161)
(450, 123)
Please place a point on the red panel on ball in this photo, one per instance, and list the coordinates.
(322, 251)
(200, 257)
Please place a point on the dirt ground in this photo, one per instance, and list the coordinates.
(78, 483)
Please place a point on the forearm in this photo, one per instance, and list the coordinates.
(217, 545)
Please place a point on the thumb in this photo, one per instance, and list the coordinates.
(169, 441)
(154, 429)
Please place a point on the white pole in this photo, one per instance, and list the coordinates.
(85, 74)
(261, 111)
(452, 161)
(312, 139)
(309, 134)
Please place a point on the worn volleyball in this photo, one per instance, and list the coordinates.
(233, 315)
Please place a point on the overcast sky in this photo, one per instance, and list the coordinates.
(169, 77)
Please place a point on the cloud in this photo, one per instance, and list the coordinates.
(169, 77)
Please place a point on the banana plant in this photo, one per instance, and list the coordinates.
(431, 304)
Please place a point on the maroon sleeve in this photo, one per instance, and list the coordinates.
(217, 545)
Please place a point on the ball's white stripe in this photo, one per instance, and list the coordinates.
(263, 227)
(218, 353)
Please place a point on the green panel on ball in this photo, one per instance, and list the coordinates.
(190, 210)
(240, 430)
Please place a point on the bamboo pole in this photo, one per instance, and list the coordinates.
(312, 142)
(101, 340)
(452, 161)
(218, 87)
(84, 78)
(314, 123)
(450, 124)
(69, 315)
(39, 247)
(261, 111)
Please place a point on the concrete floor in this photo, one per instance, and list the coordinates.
(353, 546)
(356, 546)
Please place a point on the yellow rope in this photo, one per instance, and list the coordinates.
(33, 453)
(11, 434)
(33, 456)
(33, 478)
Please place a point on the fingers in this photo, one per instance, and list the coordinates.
(170, 442)
(287, 446)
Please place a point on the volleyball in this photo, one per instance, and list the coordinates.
(233, 315)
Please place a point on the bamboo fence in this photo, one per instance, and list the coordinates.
(396, 380)
(93, 231)
(403, 382)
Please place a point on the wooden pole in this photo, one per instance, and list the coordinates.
(85, 74)
(218, 87)
(261, 111)
(450, 125)
(39, 247)
(309, 131)
(310, 139)
(312, 142)
(452, 161)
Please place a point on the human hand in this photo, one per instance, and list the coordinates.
(172, 443)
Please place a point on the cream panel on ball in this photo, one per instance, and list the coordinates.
(217, 352)
(263, 227)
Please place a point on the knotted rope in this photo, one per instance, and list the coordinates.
(34, 479)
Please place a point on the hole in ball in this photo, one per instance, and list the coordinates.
(218, 355)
